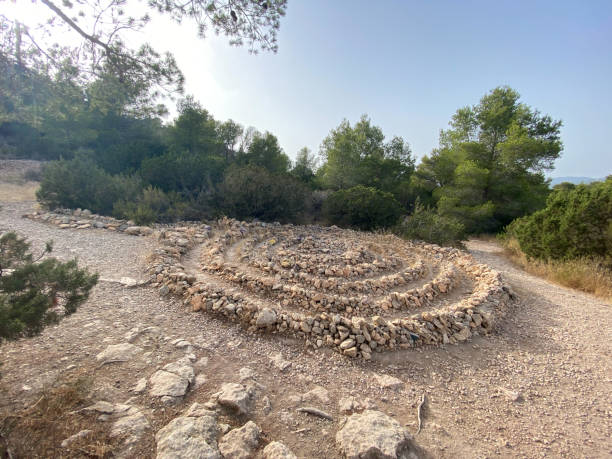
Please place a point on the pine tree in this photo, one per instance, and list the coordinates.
(37, 292)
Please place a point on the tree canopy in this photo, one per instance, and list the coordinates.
(358, 155)
(488, 169)
(98, 32)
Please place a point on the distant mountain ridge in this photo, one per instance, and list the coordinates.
(574, 180)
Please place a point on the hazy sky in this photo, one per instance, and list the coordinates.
(409, 65)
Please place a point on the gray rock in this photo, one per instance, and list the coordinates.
(123, 351)
(132, 334)
(389, 382)
(348, 405)
(188, 438)
(278, 450)
(140, 386)
(202, 363)
(130, 282)
(164, 383)
(101, 407)
(183, 344)
(181, 368)
(130, 426)
(375, 435)
(197, 410)
(240, 443)
(266, 405)
(200, 380)
(236, 397)
(246, 373)
(266, 318)
(134, 230)
(319, 394)
(279, 362)
(74, 438)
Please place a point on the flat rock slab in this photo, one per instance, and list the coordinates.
(374, 435)
(188, 438)
(240, 443)
(131, 426)
(181, 368)
(123, 351)
(389, 382)
(163, 383)
(318, 394)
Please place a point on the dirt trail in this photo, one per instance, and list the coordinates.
(560, 356)
(553, 348)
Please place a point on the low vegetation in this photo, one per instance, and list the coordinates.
(570, 240)
(38, 430)
(428, 225)
(35, 292)
(590, 275)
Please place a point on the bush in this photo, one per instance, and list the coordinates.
(31, 292)
(152, 205)
(80, 183)
(577, 222)
(427, 225)
(362, 207)
(188, 173)
(253, 192)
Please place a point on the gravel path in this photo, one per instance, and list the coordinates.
(559, 354)
(110, 254)
(540, 387)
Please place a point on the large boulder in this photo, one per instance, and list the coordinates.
(374, 435)
(188, 438)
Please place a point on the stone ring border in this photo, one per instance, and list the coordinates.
(351, 336)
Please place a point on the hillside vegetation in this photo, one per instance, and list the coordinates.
(111, 154)
(570, 240)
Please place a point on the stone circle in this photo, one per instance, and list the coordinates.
(355, 292)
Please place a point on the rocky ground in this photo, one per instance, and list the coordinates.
(163, 378)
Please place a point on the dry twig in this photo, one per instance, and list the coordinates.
(419, 412)
(315, 412)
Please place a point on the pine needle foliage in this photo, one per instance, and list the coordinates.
(36, 292)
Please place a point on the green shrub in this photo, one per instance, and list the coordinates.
(31, 291)
(577, 222)
(188, 173)
(428, 225)
(362, 207)
(151, 205)
(79, 182)
(253, 192)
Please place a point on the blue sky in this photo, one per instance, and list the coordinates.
(409, 65)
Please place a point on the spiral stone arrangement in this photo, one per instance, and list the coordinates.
(355, 292)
